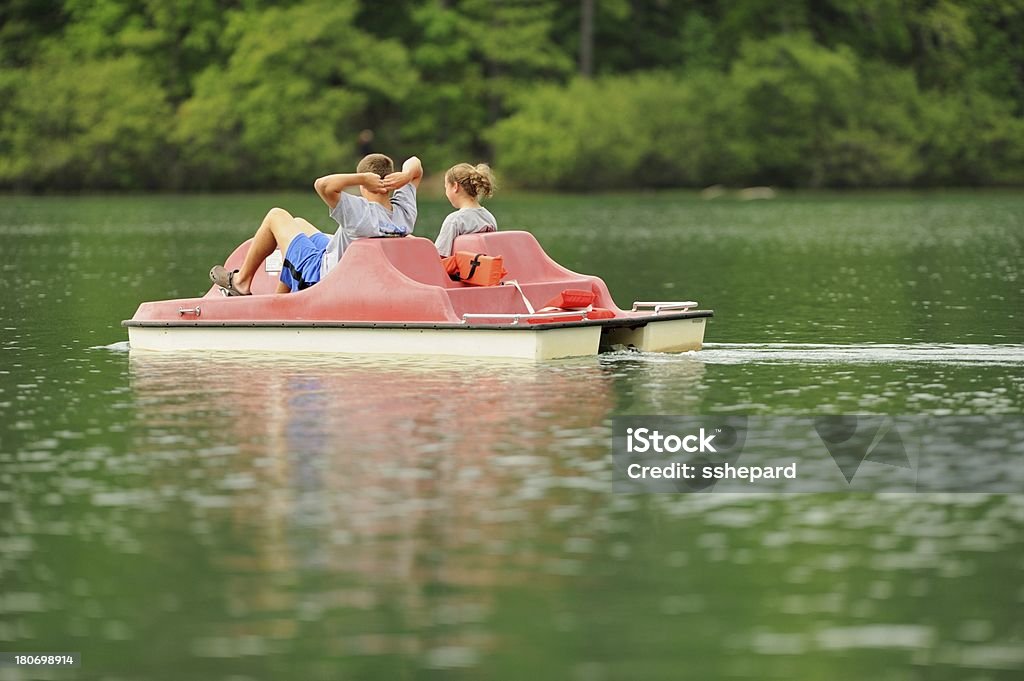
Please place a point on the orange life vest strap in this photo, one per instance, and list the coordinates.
(477, 269)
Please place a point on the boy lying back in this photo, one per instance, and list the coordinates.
(309, 253)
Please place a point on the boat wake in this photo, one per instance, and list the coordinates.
(814, 353)
(121, 346)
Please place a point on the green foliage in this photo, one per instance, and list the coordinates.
(472, 57)
(996, 63)
(24, 24)
(450, 98)
(275, 112)
(96, 124)
(694, 131)
(210, 94)
(788, 111)
(651, 130)
(176, 40)
(971, 139)
(580, 137)
(877, 142)
(792, 94)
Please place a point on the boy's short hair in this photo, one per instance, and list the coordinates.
(378, 164)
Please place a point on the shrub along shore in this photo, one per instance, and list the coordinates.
(597, 94)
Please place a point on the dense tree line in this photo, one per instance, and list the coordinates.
(235, 94)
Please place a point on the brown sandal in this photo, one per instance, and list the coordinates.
(224, 278)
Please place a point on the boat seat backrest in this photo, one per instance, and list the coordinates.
(413, 256)
(540, 277)
(523, 257)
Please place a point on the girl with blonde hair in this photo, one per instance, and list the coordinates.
(465, 185)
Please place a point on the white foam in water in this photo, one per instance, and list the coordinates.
(120, 346)
(741, 353)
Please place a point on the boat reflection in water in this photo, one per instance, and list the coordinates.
(374, 505)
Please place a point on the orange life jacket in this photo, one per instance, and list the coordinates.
(573, 300)
(474, 268)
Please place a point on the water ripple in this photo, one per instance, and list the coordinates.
(742, 353)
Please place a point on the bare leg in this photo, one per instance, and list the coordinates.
(277, 231)
(305, 226)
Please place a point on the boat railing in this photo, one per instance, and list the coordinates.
(660, 306)
(516, 317)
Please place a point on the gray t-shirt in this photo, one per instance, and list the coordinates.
(358, 218)
(463, 221)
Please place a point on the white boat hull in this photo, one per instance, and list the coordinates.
(523, 342)
(671, 335)
(520, 343)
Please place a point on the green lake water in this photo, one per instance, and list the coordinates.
(245, 517)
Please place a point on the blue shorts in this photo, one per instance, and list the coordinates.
(301, 268)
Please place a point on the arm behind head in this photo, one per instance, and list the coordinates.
(329, 187)
(411, 173)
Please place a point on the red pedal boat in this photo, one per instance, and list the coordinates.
(392, 296)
